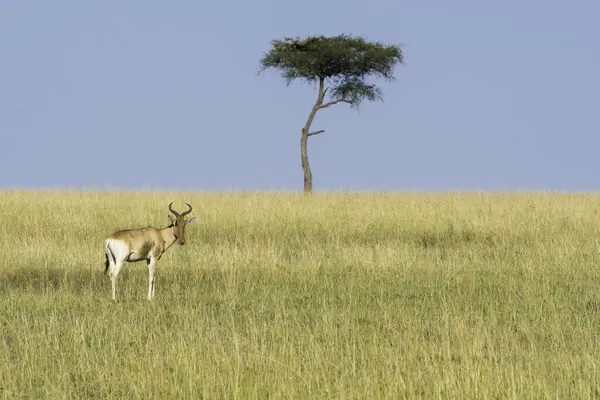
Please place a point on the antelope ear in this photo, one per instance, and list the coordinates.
(171, 219)
(190, 220)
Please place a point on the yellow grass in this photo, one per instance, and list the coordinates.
(280, 296)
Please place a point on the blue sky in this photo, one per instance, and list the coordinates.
(165, 95)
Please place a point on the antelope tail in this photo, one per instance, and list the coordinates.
(107, 261)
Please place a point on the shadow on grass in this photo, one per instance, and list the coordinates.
(454, 238)
(44, 279)
(78, 281)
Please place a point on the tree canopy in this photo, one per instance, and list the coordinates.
(341, 62)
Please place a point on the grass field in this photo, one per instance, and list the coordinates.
(276, 295)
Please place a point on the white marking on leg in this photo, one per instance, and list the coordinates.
(151, 270)
(114, 273)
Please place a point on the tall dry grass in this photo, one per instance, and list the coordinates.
(275, 295)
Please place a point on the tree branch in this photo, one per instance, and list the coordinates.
(330, 103)
(322, 91)
(316, 132)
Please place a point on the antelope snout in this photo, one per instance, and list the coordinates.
(181, 242)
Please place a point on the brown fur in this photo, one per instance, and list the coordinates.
(149, 243)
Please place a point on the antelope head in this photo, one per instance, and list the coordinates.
(179, 223)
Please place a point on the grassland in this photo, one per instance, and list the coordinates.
(280, 296)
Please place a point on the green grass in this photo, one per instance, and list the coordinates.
(275, 295)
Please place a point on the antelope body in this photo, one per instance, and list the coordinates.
(147, 243)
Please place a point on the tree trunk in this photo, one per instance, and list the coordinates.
(305, 163)
(304, 139)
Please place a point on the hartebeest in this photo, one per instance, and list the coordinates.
(147, 243)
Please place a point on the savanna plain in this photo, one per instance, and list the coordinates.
(280, 295)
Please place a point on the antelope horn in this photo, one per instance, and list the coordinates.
(188, 211)
(173, 211)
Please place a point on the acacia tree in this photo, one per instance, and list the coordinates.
(339, 65)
